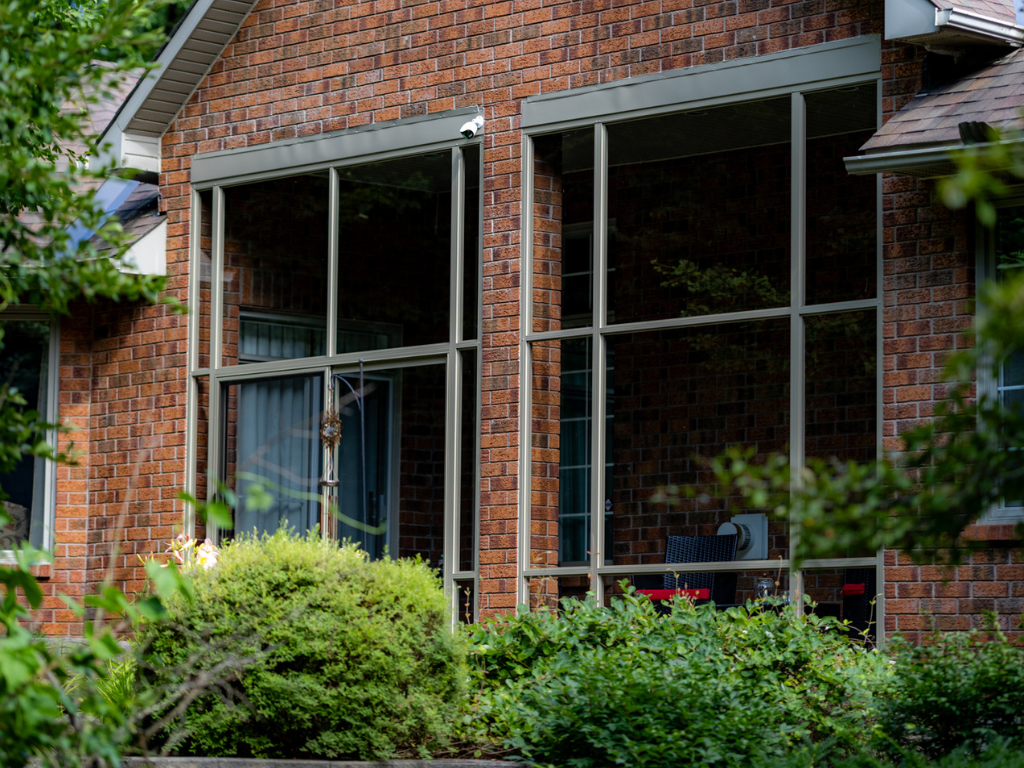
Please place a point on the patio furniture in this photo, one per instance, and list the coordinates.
(696, 549)
(859, 592)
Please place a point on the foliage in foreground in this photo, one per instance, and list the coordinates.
(596, 686)
(353, 658)
(959, 691)
(1000, 754)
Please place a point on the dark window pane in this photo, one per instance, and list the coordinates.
(467, 601)
(561, 464)
(24, 367)
(679, 398)
(271, 452)
(698, 212)
(205, 225)
(724, 588)
(1010, 238)
(468, 459)
(548, 591)
(841, 392)
(390, 462)
(563, 203)
(275, 269)
(842, 210)
(394, 245)
(472, 249)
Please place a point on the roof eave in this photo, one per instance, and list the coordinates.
(181, 66)
(923, 162)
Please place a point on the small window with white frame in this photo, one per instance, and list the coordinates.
(28, 367)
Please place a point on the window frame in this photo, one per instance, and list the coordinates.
(796, 73)
(214, 172)
(988, 386)
(32, 313)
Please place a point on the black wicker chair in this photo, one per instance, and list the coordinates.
(696, 549)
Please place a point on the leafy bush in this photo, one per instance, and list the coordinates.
(597, 686)
(349, 657)
(999, 754)
(959, 690)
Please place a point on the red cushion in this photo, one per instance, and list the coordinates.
(668, 594)
(849, 590)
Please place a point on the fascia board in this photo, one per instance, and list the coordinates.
(799, 68)
(924, 162)
(419, 134)
(909, 19)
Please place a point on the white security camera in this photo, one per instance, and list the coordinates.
(469, 130)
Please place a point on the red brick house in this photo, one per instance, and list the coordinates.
(679, 226)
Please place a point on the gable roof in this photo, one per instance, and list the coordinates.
(191, 50)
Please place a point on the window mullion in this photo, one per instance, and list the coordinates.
(598, 362)
(798, 256)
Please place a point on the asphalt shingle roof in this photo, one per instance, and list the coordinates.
(993, 95)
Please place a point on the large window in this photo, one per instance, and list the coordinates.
(700, 279)
(28, 366)
(336, 348)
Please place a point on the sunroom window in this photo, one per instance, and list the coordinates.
(340, 311)
(727, 297)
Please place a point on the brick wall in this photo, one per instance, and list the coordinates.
(122, 389)
(929, 280)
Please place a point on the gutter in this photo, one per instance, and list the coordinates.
(954, 19)
(925, 163)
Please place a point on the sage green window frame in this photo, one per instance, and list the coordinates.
(793, 74)
(214, 173)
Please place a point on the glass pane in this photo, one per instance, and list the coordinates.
(390, 462)
(202, 456)
(561, 469)
(275, 269)
(851, 595)
(468, 460)
(467, 601)
(842, 210)
(394, 246)
(472, 247)
(698, 212)
(676, 400)
(563, 223)
(548, 591)
(24, 367)
(725, 589)
(1009, 245)
(271, 456)
(841, 395)
(205, 275)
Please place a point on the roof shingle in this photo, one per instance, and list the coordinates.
(993, 95)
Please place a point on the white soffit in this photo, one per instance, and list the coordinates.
(195, 45)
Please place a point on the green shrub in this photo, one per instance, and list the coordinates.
(596, 686)
(959, 689)
(356, 657)
(999, 754)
